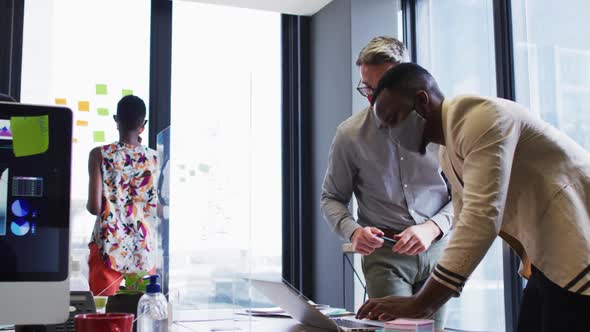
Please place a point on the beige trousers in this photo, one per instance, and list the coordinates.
(388, 273)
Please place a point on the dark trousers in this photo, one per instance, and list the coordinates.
(547, 307)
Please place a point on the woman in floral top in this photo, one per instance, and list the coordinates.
(123, 196)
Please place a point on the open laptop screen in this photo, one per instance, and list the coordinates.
(34, 192)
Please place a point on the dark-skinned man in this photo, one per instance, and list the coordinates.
(513, 176)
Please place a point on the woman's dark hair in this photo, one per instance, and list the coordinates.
(130, 112)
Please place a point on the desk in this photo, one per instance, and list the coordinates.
(257, 324)
(227, 321)
(223, 322)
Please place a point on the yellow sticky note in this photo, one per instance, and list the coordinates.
(98, 136)
(102, 111)
(82, 123)
(61, 101)
(74, 140)
(84, 106)
(101, 89)
(30, 135)
(126, 92)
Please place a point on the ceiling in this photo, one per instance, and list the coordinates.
(294, 7)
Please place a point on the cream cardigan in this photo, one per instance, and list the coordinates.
(515, 176)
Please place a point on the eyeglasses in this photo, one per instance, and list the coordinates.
(364, 90)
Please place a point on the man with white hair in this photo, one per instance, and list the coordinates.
(401, 194)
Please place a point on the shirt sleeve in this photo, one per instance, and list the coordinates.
(337, 188)
(486, 140)
(444, 218)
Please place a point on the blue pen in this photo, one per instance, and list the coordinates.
(387, 239)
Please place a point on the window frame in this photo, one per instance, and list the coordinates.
(160, 92)
(296, 121)
(12, 14)
(505, 88)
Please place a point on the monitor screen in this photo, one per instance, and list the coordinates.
(34, 197)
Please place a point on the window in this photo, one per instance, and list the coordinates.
(85, 55)
(552, 63)
(462, 65)
(225, 171)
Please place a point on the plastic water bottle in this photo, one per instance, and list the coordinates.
(152, 309)
(77, 280)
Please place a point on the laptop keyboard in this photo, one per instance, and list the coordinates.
(351, 324)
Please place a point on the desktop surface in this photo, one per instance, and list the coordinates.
(230, 320)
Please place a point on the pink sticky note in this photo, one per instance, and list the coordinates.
(411, 324)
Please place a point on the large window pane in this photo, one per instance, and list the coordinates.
(455, 42)
(225, 204)
(552, 63)
(85, 54)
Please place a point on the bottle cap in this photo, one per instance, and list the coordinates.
(153, 286)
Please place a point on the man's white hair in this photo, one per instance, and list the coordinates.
(381, 50)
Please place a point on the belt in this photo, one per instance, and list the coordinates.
(390, 233)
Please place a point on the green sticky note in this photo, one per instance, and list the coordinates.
(98, 136)
(101, 89)
(126, 92)
(204, 168)
(103, 111)
(30, 135)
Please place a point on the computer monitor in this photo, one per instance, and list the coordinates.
(35, 164)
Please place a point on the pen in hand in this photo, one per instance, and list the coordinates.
(387, 239)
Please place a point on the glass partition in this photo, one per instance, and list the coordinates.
(455, 42)
(85, 55)
(225, 167)
(552, 63)
(163, 185)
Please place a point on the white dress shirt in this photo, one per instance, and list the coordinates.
(395, 189)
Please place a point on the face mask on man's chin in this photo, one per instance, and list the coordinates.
(423, 147)
(409, 133)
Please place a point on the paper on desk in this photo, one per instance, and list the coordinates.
(30, 135)
(278, 310)
(206, 316)
(337, 312)
(266, 312)
(271, 310)
(318, 306)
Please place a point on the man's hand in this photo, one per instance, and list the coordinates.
(389, 308)
(424, 304)
(416, 239)
(365, 240)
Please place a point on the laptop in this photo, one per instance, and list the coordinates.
(296, 305)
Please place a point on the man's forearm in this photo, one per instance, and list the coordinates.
(432, 296)
(339, 218)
